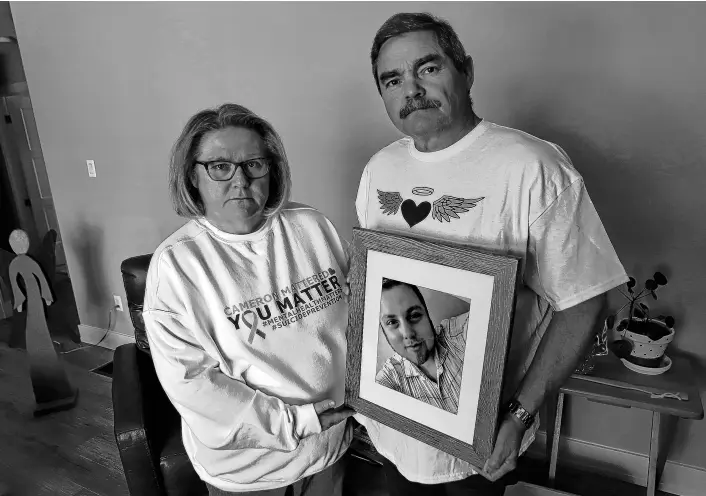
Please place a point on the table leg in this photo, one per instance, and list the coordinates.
(555, 410)
(652, 479)
(663, 429)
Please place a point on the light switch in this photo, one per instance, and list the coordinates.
(90, 164)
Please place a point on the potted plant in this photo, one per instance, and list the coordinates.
(644, 339)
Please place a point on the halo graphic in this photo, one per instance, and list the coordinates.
(422, 191)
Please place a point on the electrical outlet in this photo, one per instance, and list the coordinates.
(118, 302)
(91, 165)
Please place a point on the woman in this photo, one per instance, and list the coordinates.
(245, 315)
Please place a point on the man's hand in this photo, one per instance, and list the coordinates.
(329, 416)
(506, 450)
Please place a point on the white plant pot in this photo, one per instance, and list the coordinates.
(643, 346)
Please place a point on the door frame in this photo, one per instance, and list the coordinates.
(18, 192)
(16, 175)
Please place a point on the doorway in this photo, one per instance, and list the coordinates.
(27, 204)
(8, 217)
(25, 196)
(19, 140)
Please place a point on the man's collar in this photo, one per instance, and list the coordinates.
(442, 351)
(410, 369)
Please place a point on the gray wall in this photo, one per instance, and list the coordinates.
(619, 85)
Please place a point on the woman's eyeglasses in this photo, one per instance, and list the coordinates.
(221, 170)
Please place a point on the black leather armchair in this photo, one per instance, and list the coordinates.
(147, 426)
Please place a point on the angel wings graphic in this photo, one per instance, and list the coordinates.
(443, 209)
(389, 202)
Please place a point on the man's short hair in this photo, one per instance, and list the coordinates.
(404, 22)
(391, 283)
(185, 197)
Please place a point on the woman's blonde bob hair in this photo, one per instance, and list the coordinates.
(185, 197)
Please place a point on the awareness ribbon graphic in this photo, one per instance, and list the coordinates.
(252, 326)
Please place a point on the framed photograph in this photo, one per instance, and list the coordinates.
(428, 337)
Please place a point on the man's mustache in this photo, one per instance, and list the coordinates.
(418, 104)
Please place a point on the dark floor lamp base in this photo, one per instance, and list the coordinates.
(56, 405)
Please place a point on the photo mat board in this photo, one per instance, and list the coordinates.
(488, 282)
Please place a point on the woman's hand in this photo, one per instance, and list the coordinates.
(347, 288)
(330, 416)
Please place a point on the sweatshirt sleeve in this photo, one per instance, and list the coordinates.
(221, 412)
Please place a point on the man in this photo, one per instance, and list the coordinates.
(458, 177)
(426, 365)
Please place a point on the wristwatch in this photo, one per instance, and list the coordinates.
(516, 409)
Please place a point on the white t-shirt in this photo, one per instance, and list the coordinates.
(504, 191)
(246, 332)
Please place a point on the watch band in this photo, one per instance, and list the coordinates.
(516, 409)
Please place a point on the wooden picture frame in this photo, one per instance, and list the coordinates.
(492, 281)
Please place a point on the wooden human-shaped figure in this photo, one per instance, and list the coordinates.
(52, 389)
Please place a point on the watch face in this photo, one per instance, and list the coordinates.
(518, 411)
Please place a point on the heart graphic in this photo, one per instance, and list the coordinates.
(414, 213)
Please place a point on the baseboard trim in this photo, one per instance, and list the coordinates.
(677, 478)
(103, 337)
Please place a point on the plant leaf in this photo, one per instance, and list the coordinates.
(660, 279)
(669, 321)
(654, 295)
(650, 284)
(631, 283)
(638, 313)
(644, 307)
(610, 321)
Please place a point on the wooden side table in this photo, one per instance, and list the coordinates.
(665, 412)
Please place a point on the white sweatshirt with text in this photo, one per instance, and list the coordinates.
(246, 333)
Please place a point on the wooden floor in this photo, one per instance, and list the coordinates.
(71, 453)
(531, 471)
